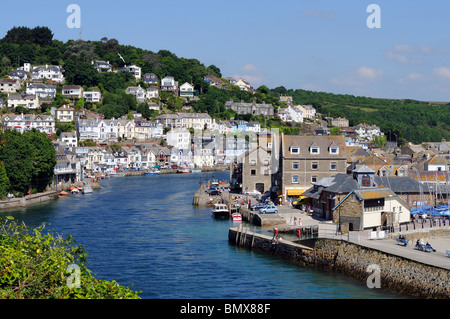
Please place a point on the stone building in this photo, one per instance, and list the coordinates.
(326, 193)
(256, 170)
(306, 159)
(371, 208)
(250, 108)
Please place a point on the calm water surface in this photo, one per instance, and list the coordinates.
(144, 232)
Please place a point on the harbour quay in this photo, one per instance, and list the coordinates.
(403, 269)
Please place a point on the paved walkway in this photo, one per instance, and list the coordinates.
(388, 245)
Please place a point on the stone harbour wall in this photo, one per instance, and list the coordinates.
(396, 274)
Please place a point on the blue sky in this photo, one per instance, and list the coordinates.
(317, 45)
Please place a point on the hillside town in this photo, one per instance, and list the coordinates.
(329, 159)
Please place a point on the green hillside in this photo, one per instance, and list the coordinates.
(414, 121)
(409, 120)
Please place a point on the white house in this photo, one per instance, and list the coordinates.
(368, 131)
(138, 92)
(152, 92)
(308, 111)
(49, 72)
(70, 138)
(291, 114)
(28, 101)
(41, 90)
(168, 83)
(102, 66)
(244, 85)
(179, 138)
(25, 122)
(9, 85)
(197, 121)
(65, 114)
(72, 91)
(92, 96)
(88, 129)
(134, 70)
(187, 90)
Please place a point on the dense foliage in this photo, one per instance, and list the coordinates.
(400, 120)
(29, 160)
(34, 265)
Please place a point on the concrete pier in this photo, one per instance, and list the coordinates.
(402, 269)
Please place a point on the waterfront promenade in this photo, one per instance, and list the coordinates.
(438, 237)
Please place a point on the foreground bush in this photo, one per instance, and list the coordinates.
(37, 266)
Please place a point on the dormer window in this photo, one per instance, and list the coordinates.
(334, 150)
(295, 150)
(314, 150)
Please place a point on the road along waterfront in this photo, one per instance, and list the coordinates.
(144, 231)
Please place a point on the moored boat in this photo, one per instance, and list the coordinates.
(154, 172)
(183, 171)
(87, 189)
(237, 217)
(220, 210)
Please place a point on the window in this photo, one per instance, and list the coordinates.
(295, 179)
(295, 165)
(253, 172)
(295, 150)
(333, 166)
(314, 166)
(313, 179)
(334, 150)
(365, 180)
(315, 150)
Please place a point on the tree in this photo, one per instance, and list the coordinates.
(4, 181)
(42, 36)
(16, 154)
(42, 158)
(38, 265)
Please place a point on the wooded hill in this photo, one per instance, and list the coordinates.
(408, 120)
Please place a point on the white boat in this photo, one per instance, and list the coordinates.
(235, 214)
(220, 210)
(87, 189)
(237, 217)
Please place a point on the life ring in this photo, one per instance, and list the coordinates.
(299, 233)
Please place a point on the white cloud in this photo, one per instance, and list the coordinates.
(253, 74)
(359, 77)
(369, 73)
(407, 54)
(441, 72)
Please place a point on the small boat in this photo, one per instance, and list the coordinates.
(87, 190)
(235, 214)
(152, 173)
(183, 171)
(196, 171)
(220, 210)
(63, 193)
(237, 217)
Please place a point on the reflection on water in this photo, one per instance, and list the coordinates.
(143, 231)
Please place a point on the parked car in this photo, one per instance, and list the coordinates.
(269, 209)
(258, 206)
(253, 193)
(213, 191)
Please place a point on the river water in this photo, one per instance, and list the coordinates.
(144, 233)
